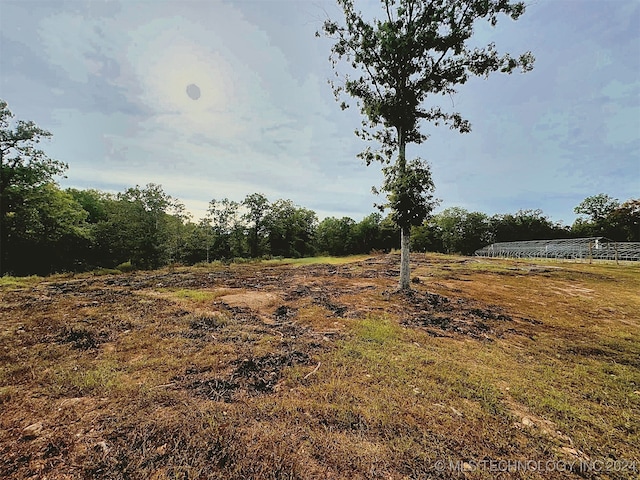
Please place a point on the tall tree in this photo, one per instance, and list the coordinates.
(335, 236)
(409, 190)
(595, 216)
(142, 217)
(462, 231)
(257, 206)
(46, 232)
(290, 229)
(418, 50)
(199, 242)
(23, 167)
(597, 207)
(179, 230)
(100, 251)
(427, 237)
(626, 220)
(366, 234)
(603, 215)
(228, 228)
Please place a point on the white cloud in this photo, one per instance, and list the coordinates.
(255, 126)
(67, 48)
(113, 82)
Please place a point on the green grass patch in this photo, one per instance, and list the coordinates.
(125, 267)
(99, 379)
(106, 271)
(195, 295)
(317, 260)
(9, 281)
(391, 363)
(378, 330)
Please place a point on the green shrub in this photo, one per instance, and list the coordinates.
(125, 267)
(105, 271)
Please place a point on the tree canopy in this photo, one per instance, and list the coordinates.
(603, 215)
(25, 172)
(417, 50)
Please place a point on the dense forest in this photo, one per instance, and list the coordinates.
(45, 229)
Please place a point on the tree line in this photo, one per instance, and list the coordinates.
(50, 230)
(45, 229)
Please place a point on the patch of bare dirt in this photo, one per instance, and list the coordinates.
(255, 300)
(574, 290)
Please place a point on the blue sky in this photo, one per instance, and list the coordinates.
(108, 78)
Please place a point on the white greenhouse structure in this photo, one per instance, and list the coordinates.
(597, 248)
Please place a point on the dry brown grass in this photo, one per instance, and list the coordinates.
(322, 371)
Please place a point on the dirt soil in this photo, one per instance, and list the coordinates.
(98, 369)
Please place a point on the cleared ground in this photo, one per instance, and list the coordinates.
(302, 370)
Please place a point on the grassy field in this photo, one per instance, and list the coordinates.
(320, 369)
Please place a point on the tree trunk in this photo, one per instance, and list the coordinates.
(405, 230)
(405, 272)
(1, 210)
